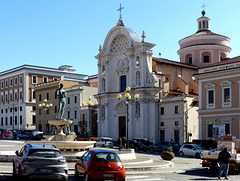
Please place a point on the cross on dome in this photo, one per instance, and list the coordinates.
(120, 9)
(203, 11)
(120, 21)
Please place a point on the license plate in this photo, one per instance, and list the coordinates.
(108, 175)
(46, 170)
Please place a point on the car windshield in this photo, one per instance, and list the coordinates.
(199, 147)
(106, 139)
(44, 153)
(102, 157)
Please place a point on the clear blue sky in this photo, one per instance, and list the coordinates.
(52, 33)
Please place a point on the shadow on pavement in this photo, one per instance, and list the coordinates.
(204, 173)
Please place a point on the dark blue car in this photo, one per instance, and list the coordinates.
(164, 145)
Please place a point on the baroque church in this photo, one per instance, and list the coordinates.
(166, 104)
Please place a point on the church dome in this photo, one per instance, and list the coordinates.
(204, 47)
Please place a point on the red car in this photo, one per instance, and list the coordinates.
(100, 165)
(6, 133)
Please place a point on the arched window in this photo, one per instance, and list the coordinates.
(223, 56)
(123, 83)
(103, 69)
(188, 59)
(206, 57)
(137, 62)
(203, 24)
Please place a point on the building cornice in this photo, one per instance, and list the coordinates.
(217, 72)
(219, 110)
(34, 67)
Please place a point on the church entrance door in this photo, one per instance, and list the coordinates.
(122, 126)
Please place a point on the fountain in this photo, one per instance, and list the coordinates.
(64, 142)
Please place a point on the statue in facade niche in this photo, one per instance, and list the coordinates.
(61, 95)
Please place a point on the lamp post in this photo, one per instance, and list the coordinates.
(126, 102)
(90, 105)
(45, 106)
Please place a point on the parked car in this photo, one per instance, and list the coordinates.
(191, 150)
(105, 142)
(137, 146)
(164, 145)
(38, 137)
(100, 165)
(7, 133)
(144, 141)
(207, 144)
(40, 161)
(23, 135)
(86, 137)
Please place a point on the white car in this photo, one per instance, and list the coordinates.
(104, 142)
(191, 150)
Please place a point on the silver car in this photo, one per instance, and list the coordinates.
(104, 142)
(40, 161)
(191, 150)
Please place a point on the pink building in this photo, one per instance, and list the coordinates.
(218, 81)
(219, 100)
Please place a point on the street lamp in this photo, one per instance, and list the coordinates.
(90, 118)
(45, 106)
(126, 102)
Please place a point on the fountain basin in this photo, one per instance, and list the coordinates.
(67, 146)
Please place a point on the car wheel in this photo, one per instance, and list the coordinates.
(197, 155)
(76, 173)
(20, 175)
(14, 171)
(151, 150)
(181, 153)
(103, 146)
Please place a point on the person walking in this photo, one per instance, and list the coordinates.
(223, 159)
(124, 142)
(120, 143)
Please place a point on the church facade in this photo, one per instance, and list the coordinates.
(126, 61)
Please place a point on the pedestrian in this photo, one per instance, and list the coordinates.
(120, 143)
(223, 159)
(124, 142)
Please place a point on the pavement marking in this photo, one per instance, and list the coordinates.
(11, 141)
(145, 178)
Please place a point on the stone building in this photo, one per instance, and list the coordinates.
(126, 61)
(18, 98)
(178, 117)
(81, 107)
